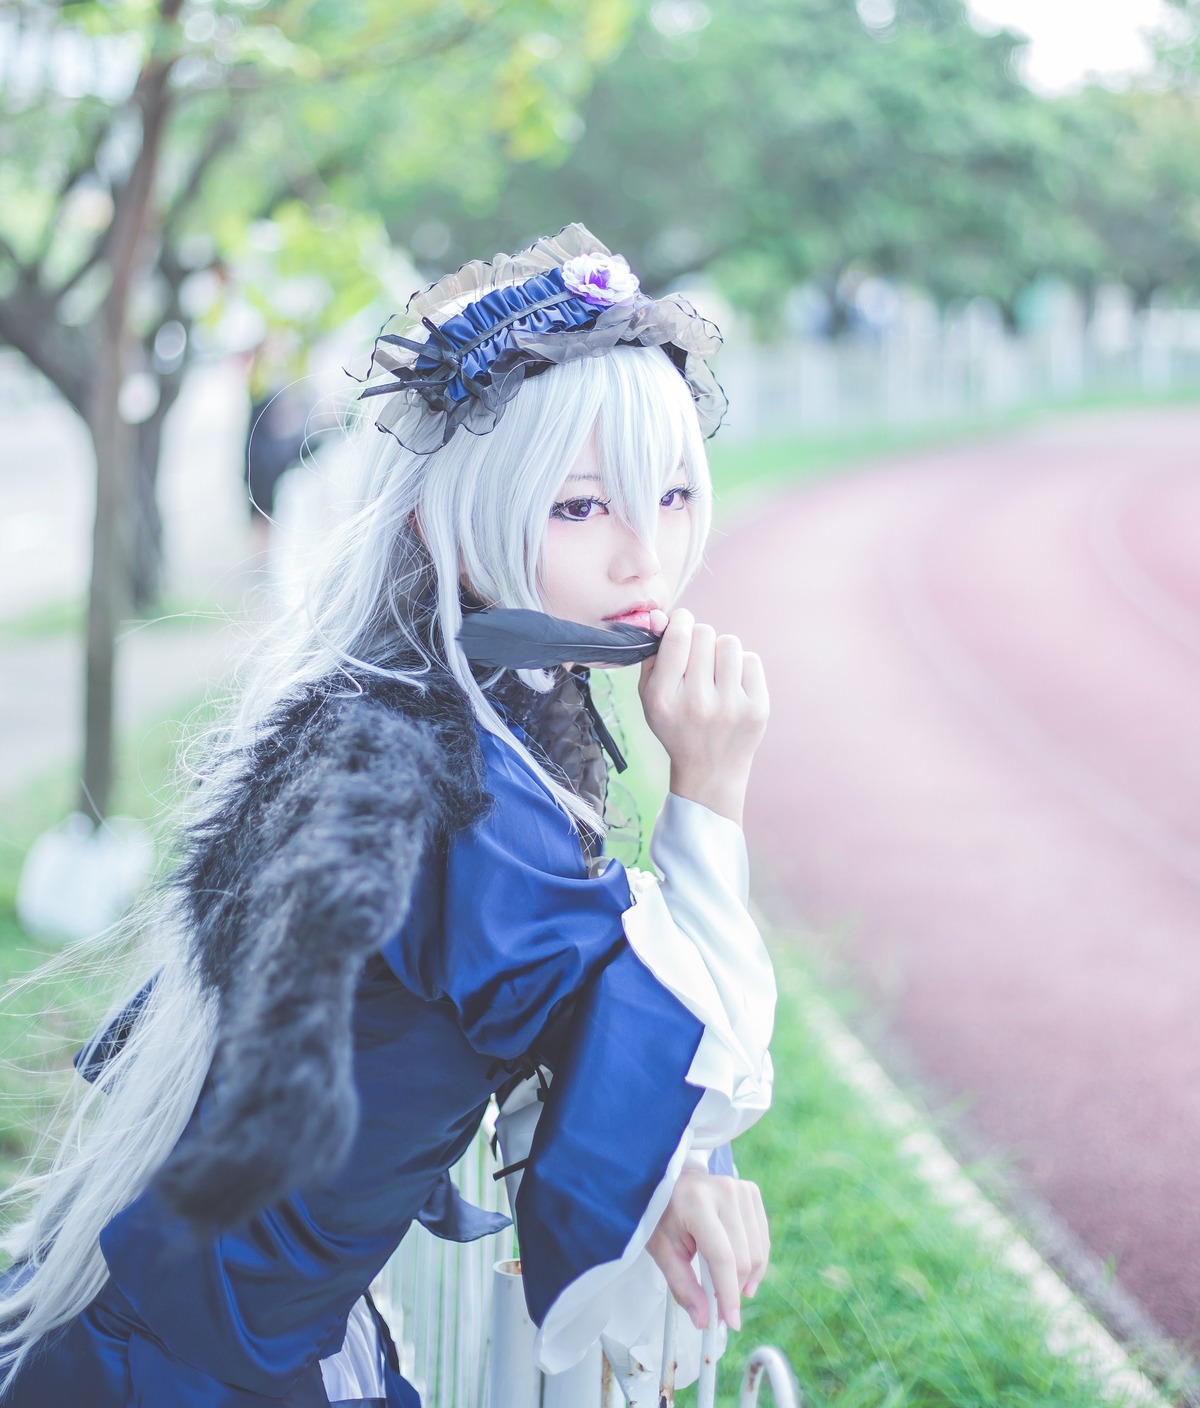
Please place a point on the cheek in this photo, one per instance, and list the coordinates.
(564, 575)
(551, 571)
(675, 538)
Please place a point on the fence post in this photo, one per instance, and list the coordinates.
(513, 1378)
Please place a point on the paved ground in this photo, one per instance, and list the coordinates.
(983, 775)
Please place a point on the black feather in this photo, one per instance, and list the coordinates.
(531, 640)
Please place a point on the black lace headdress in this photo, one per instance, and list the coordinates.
(566, 296)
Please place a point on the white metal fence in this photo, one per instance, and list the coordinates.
(437, 1295)
(924, 369)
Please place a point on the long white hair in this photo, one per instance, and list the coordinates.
(482, 505)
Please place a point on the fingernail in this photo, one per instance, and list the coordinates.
(697, 1316)
(735, 1319)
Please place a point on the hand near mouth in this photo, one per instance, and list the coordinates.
(705, 700)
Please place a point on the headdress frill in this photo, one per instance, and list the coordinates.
(520, 318)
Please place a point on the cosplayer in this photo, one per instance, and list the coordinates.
(392, 901)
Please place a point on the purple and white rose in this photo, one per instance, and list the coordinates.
(600, 279)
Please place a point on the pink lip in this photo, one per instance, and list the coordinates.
(639, 608)
(638, 616)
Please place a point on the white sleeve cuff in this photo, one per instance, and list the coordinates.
(693, 931)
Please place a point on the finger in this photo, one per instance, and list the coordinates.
(701, 669)
(683, 1283)
(712, 1242)
(754, 1222)
(753, 1234)
(673, 651)
(754, 680)
(764, 1237)
(729, 666)
(733, 1220)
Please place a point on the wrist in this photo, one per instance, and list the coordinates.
(725, 795)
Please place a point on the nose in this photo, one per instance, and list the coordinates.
(635, 559)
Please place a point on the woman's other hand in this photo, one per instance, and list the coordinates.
(724, 1220)
(705, 700)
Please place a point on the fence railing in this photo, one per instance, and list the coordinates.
(951, 369)
(437, 1295)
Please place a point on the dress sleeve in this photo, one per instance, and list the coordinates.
(667, 1060)
(510, 924)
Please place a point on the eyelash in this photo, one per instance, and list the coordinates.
(558, 510)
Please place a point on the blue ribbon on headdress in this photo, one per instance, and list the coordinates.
(455, 361)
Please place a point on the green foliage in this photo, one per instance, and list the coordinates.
(1134, 157)
(769, 142)
(157, 154)
(773, 141)
(304, 115)
(1178, 45)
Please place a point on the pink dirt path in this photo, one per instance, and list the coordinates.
(983, 774)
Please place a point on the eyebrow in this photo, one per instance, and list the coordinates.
(595, 478)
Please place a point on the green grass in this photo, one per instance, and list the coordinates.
(877, 1294)
(52, 618)
(43, 1023)
(56, 618)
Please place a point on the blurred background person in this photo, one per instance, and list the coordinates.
(277, 429)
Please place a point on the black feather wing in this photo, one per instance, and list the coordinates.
(531, 640)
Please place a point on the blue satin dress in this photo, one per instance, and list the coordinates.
(507, 931)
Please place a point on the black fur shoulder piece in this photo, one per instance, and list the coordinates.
(299, 871)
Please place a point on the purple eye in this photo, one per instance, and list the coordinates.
(577, 510)
(682, 495)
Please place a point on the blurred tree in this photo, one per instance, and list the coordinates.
(147, 143)
(1134, 159)
(775, 141)
(1177, 46)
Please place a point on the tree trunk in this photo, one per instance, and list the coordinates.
(148, 559)
(108, 598)
(113, 439)
(146, 566)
